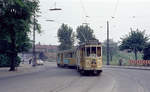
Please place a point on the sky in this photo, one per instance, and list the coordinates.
(127, 14)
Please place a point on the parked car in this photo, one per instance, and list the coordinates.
(40, 62)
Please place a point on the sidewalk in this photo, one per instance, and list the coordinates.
(23, 69)
(129, 67)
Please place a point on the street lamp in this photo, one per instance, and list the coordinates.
(85, 23)
(50, 20)
(55, 8)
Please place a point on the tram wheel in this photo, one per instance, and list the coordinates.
(82, 72)
(78, 70)
(96, 73)
(58, 65)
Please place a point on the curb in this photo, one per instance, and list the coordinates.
(128, 67)
(23, 70)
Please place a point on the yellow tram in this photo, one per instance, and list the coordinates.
(89, 58)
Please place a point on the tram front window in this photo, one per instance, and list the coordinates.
(88, 51)
(93, 52)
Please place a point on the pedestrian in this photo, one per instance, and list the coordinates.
(120, 62)
(30, 61)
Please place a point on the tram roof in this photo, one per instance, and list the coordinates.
(69, 50)
(91, 42)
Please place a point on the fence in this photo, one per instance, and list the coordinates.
(139, 62)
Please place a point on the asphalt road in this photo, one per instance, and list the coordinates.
(55, 79)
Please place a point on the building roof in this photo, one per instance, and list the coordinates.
(46, 46)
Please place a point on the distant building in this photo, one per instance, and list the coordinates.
(48, 50)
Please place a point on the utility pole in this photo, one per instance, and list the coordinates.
(107, 42)
(34, 53)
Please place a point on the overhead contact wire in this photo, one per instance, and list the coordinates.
(84, 10)
(116, 7)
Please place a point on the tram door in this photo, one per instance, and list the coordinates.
(82, 56)
(61, 59)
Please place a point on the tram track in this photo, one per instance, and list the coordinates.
(64, 86)
(127, 75)
(98, 82)
(137, 82)
(94, 82)
(91, 83)
(113, 87)
(62, 80)
(141, 87)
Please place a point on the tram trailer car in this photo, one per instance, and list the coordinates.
(89, 58)
(59, 59)
(71, 58)
(66, 58)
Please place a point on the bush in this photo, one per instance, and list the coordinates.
(5, 61)
(146, 51)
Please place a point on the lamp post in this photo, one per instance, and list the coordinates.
(108, 43)
(108, 48)
(34, 63)
(34, 53)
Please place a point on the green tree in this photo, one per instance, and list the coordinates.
(66, 37)
(146, 51)
(135, 42)
(85, 33)
(16, 20)
(113, 48)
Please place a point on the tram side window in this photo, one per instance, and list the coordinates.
(65, 55)
(58, 56)
(71, 55)
(98, 51)
(68, 55)
(61, 56)
(88, 51)
(82, 51)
